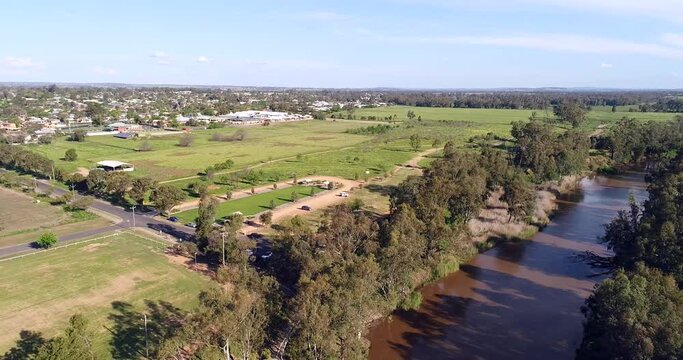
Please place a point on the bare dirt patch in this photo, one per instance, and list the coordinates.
(83, 171)
(188, 263)
(90, 248)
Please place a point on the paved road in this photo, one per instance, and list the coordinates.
(146, 220)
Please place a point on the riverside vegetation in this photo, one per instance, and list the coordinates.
(323, 285)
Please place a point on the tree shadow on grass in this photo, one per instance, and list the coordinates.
(128, 331)
(386, 190)
(26, 347)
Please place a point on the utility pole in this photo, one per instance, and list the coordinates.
(146, 343)
(226, 350)
(223, 237)
(133, 217)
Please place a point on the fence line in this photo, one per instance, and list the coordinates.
(164, 243)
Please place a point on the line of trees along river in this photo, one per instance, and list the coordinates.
(523, 300)
(323, 286)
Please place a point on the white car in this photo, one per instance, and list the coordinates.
(344, 194)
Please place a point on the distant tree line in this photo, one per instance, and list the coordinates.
(372, 130)
(650, 100)
(23, 160)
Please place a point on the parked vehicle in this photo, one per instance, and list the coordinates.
(173, 219)
(267, 255)
(306, 208)
(344, 194)
(192, 225)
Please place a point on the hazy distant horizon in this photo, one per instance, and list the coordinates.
(407, 44)
(378, 88)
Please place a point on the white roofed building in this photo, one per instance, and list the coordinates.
(113, 165)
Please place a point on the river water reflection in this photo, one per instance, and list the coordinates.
(519, 300)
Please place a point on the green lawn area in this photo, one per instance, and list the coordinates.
(41, 291)
(254, 204)
(167, 160)
(377, 158)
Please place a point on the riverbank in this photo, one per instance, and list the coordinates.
(490, 228)
(493, 224)
(520, 299)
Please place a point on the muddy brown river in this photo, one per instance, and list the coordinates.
(518, 300)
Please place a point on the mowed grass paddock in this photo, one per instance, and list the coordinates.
(167, 160)
(22, 220)
(255, 204)
(41, 291)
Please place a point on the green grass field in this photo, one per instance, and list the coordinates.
(17, 207)
(325, 146)
(498, 116)
(167, 160)
(41, 291)
(254, 204)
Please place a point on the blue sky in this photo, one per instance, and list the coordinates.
(352, 43)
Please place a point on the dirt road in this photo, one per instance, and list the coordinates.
(320, 201)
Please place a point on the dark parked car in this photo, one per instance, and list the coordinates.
(173, 219)
(306, 208)
(192, 225)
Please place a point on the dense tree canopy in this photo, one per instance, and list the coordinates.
(632, 317)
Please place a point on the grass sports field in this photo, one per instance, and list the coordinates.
(16, 208)
(254, 204)
(41, 291)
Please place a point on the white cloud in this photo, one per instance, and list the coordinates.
(202, 59)
(548, 42)
(673, 39)
(669, 10)
(663, 9)
(606, 65)
(19, 62)
(106, 71)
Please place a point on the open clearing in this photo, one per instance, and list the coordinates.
(271, 154)
(41, 291)
(254, 204)
(498, 117)
(22, 220)
(167, 160)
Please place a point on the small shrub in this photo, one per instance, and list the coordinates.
(412, 302)
(145, 146)
(47, 240)
(70, 155)
(81, 203)
(78, 135)
(186, 140)
(266, 217)
(446, 266)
